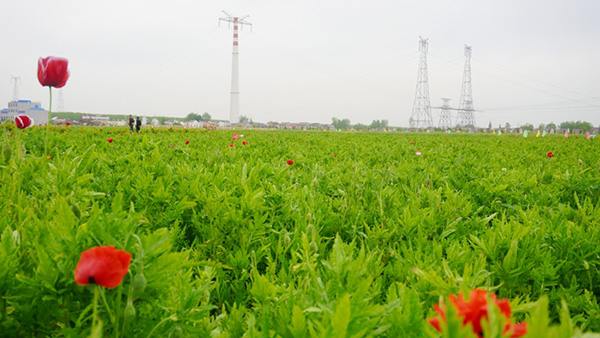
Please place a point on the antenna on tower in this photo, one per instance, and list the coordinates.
(466, 116)
(15, 80)
(234, 106)
(445, 115)
(421, 113)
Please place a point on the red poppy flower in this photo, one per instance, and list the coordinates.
(60, 123)
(53, 71)
(475, 309)
(550, 154)
(110, 140)
(412, 143)
(290, 162)
(187, 142)
(102, 265)
(334, 155)
(68, 123)
(23, 121)
(231, 145)
(244, 143)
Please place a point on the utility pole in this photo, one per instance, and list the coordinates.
(421, 113)
(234, 105)
(466, 117)
(15, 80)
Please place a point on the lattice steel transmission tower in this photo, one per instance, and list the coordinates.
(15, 80)
(234, 106)
(466, 116)
(445, 115)
(60, 106)
(421, 113)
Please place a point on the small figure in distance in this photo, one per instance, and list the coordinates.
(138, 124)
(130, 122)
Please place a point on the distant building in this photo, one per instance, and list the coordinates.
(27, 107)
(3, 115)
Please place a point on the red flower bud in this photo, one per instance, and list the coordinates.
(550, 154)
(110, 140)
(187, 142)
(290, 162)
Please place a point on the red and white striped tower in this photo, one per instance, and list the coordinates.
(234, 105)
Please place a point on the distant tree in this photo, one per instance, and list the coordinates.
(576, 125)
(527, 126)
(206, 117)
(551, 125)
(193, 116)
(542, 126)
(490, 125)
(360, 126)
(244, 118)
(587, 126)
(341, 124)
(377, 124)
(507, 125)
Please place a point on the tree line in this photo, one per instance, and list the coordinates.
(347, 124)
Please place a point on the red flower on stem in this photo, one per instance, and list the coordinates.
(475, 309)
(68, 123)
(102, 265)
(290, 162)
(23, 121)
(231, 145)
(110, 140)
(187, 142)
(53, 71)
(244, 143)
(550, 154)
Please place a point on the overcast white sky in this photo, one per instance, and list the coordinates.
(533, 61)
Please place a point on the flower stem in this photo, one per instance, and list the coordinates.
(95, 307)
(172, 317)
(110, 314)
(48, 123)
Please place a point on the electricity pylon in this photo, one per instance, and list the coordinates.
(421, 113)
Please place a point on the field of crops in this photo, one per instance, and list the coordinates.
(296, 234)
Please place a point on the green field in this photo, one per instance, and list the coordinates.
(360, 236)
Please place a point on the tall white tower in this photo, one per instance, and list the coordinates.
(15, 80)
(234, 104)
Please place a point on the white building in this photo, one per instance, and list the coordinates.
(27, 107)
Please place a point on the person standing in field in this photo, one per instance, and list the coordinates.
(138, 124)
(130, 122)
